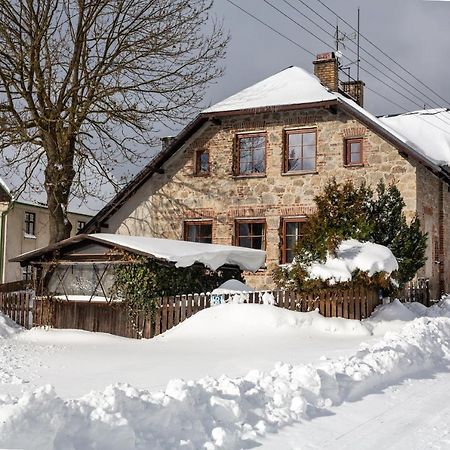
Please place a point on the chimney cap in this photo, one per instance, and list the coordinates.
(325, 56)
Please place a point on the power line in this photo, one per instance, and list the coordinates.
(414, 94)
(312, 54)
(271, 28)
(384, 53)
(298, 24)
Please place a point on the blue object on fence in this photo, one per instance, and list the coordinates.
(217, 299)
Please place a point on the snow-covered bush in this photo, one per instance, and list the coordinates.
(344, 211)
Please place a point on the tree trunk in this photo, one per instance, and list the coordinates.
(59, 175)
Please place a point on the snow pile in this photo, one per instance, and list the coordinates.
(8, 327)
(184, 253)
(224, 412)
(353, 255)
(232, 287)
(253, 320)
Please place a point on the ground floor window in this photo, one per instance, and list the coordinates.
(292, 230)
(27, 273)
(251, 233)
(198, 231)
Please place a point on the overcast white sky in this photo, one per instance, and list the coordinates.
(415, 33)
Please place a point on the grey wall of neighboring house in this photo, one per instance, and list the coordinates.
(17, 241)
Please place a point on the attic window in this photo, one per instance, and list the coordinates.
(353, 152)
(30, 223)
(202, 162)
(251, 154)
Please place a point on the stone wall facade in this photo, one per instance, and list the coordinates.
(161, 206)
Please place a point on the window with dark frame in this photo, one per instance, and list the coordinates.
(30, 223)
(300, 150)
(251, 154)
(80, 225)
(202, 162)
(251, 233)
(198, 231)
(354, 152)
(292, 231)
(27, 273)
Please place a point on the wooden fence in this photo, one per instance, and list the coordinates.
(417, 291)
(16, 301)
(28, 310)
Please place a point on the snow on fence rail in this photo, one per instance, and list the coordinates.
(27, 310)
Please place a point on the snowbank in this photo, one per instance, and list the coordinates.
(8, 328)
(353, 255)
(253, 320)
(224, 412)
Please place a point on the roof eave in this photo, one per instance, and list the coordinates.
(273, 108)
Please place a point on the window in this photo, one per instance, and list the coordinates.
(251, 154)
(27, 273)
(251, 233)
(300, 151)
(202, 162)
(198, 231)
(30, 221)
(80, 225)
(353, 152)
(292, 231)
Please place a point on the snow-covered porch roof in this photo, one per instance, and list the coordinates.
(103, 247)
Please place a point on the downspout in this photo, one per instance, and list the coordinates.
(441, 240)
(2, 245)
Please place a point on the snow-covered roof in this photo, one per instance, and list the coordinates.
(184, 253)
(427, 131)
(352, 255)
(291, 86)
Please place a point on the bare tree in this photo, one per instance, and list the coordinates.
(84, 82)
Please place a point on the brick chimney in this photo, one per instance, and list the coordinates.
(355, 90)
(326, 70)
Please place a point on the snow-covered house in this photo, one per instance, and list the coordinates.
(245, 171)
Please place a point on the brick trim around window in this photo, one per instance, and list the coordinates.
(198, 231)
(253, 168)
(285, 245)
(253, 237)
(301, 156)
(353, 152)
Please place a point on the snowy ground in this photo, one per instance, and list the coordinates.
(339, 382)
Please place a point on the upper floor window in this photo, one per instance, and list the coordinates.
(80, 225)
(202, 162)
(251, 154)
(198, 231)
(300, 151)
(251, 233)
(353, 152)
(291, 232)
(30, 223)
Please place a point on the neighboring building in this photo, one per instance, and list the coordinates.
(247, 169)
(23, 228)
